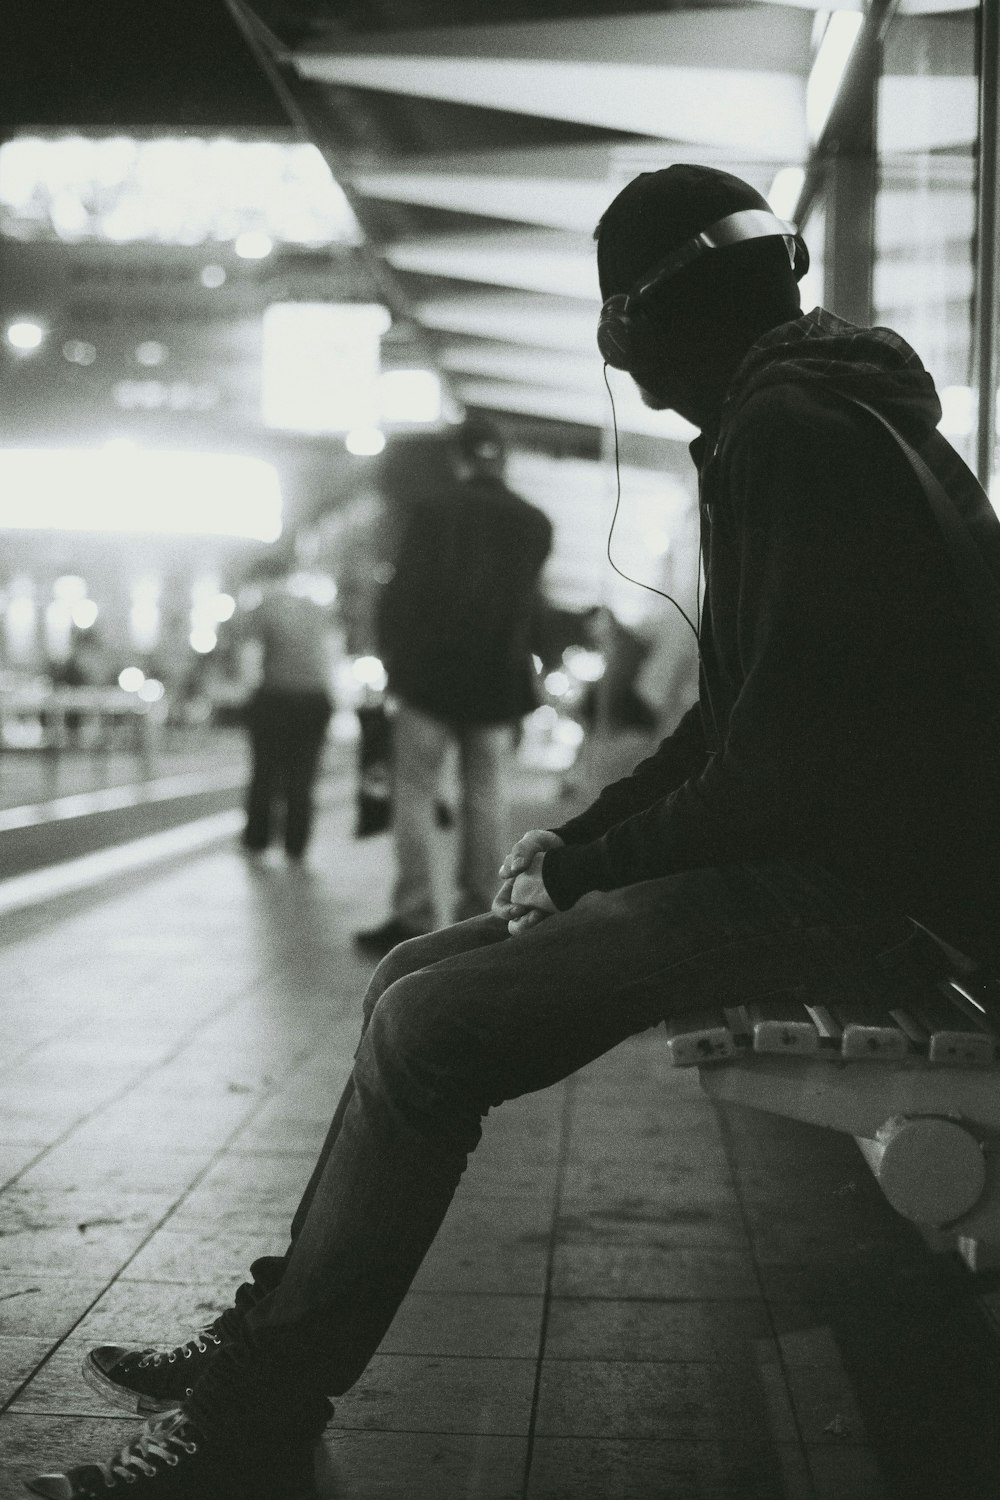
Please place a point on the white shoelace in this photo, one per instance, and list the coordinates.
(158, 1439)
(185, 1350)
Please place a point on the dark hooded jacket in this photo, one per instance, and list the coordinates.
(454, 622)
(847, 707)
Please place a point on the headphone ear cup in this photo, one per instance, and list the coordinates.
(800, 264)
(616, 333)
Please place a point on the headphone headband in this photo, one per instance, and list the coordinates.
(747, 224)
(616, 328)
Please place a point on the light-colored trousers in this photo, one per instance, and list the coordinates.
(420, 749)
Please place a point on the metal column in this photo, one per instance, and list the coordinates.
(987, 237)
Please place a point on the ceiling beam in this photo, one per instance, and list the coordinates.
(758, 114)
(534, 261)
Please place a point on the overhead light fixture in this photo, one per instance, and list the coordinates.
(364, 442)
(123, 489)
(832, 58)
(150, 353)
(409, 396)
(203, 639)
(25, 335)
(170, 190)
(84, 613)
(254, 244)
(320, 365)
(79, 352)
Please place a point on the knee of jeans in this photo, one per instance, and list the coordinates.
(390, 1020)
(399, 962)
(413, 1032)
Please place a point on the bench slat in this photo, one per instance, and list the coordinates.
(699, 1037)
(782, 1024)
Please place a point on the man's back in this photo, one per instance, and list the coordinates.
(293, 634)
(455, 618)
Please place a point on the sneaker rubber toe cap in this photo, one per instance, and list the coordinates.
(55, 1486)
(106, 1357)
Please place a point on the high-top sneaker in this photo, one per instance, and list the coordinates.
(171, 1459)
(144, 1380)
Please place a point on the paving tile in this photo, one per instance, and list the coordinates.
(158, 1124)
(155, 1314)
(658, 1468)
(466, 1324)
(59, 1387)
(826, 1406)
(19, 1356)
(34, 1123)
(686, 1212)
(423, 1466)
(282, 1133)
(183, 1085)
(489, 1245)
(96, 1244)
(595, 1177)
(848, 1280)
(654, 1130)
(772, 1181)
(923, 1368)
(510, 1162)
(645, 1268)
(800, 1232)
(45, 1306)
(76, 1055)
(580, 1328)
(417, 1393)
(28, 1205)
(192, 1253)
(687, 1401)
(709, 1219)
(14, 1159)
(854, 1472)
(31, 1443)
(116, 1168)
(242, 1191)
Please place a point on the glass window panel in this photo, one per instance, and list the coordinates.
(925, 212)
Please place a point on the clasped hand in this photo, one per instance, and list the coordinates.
(522, 900)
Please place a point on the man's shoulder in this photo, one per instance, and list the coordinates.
(500, 497)
(787, 415)
(789, 403)
(533, 514)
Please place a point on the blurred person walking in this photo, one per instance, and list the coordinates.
(288, 712)
(454, 624)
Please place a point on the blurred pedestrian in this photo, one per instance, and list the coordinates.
(289, 710)
(454, 628)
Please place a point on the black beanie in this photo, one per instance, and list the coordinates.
(657, 212)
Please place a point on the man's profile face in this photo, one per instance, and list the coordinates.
(656, 401)
(658, 389)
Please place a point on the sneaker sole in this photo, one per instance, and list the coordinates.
(119, 1395)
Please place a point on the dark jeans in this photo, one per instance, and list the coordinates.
(464, 1018)
(287, 731)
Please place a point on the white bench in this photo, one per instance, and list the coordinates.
(919, 1089)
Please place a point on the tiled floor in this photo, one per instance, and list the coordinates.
(633, 1297)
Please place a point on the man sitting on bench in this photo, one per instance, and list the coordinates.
(839, 776)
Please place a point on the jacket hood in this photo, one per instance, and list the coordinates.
(873, 365)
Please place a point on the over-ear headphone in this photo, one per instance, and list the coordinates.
(616, 327)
